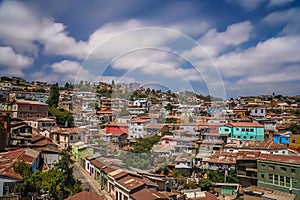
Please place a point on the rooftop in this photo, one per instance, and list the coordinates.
(293, 159)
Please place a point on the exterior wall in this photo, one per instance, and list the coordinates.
(281, 139)
(243, 133)
(3, 188)
(24, 111)
(51, 158)
(295, 142)
(284, 177)
(247, 172)
(261, 112)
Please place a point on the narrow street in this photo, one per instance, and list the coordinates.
(88, 182)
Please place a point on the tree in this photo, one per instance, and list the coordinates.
(58, 182)
(54, 95)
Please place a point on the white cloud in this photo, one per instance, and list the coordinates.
(290, 18)
(279, 2)
(248, 4)
(64, 71)
(268, 56)
(13, 62)
(234, 35)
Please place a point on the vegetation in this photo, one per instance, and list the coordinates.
(58, 183)
(144, 145)
(216, 176)
(53, 96)
(136, 160)
(294, 128)
(63, 117)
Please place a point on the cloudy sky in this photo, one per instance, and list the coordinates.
(224, 48)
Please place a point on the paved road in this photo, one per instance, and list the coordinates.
(85, 180)
(88, 182)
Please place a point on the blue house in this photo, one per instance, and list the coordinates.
(243, 131)
(282, 138)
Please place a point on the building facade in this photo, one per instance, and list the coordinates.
(243, 131)
(279, 172)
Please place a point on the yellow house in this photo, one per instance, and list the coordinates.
(241, 112)
(295, 142)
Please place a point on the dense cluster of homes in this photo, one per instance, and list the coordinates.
(243, 134)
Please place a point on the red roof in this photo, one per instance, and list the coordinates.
(149, 195)
(131, 182)
(244, 124)
(294, 159)
(10, 158)
(97, 163)
(85, 195)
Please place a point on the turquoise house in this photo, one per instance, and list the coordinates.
(243, 131)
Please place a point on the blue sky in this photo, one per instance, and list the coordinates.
(224, 48)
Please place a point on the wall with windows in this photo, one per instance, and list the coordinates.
(243, 133)
(279, 176)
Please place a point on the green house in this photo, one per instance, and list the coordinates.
(279, 172)
(243, 131)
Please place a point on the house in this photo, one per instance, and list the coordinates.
(39, 124)
(50, 152)
(25, 109)
(8, 160)
(127, 186)
(184, 164)
(267, 146)
(227, 190)
(156, 129)
(282, 138)
(243, 131)
(115, 127)
(119, 139)
(222, 161)
(149, 195)
(4, 131)
(137, 127)
(256, 193)
(66, 136)
(113, 177)
(196, 194)
(279, 172)
(258, 112)
(246, 165)
(85, 195)
(295, 142)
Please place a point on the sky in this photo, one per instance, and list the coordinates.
(224, 48)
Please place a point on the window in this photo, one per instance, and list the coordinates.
(239, 137)
(283, 169)
(251, 137)
(243, 130)
(236, 129)
(261, 111)
(263, 165)
(255, 111)
(293, 141)
(251, 130)
(245, 137)
(272, 167)
(71, 137)
(287, 181)
(293, 170)
(262, 176)
(275, 179)
(271, 177)
(226, 129)
(281, 180)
